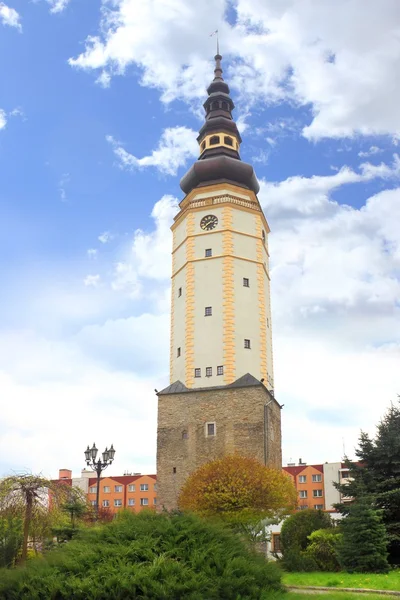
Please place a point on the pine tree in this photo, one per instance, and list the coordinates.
(364, 543)
(377, 475)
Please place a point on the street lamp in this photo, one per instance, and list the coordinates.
(99, 466)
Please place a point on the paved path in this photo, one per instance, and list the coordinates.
(316, 589)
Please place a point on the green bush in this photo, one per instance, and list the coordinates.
(10, 540)
(323, 549)
(154, 556)
(296, 560)
(297, 528)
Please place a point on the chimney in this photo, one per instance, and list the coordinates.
(64, 474)
(301, 463)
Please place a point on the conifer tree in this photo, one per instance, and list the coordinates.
(364, 543)
(377, 475)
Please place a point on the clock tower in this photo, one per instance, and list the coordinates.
(221, 396)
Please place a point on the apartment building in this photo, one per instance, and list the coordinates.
(133, 491)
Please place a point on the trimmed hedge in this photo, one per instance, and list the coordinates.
(154, 556)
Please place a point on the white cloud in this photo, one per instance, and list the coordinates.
(372, 150)
(91, 280)
(57, 6)
(105, 237)
(62, 185)
(3, 119)
(305, 53)
(92, 253)
(175, 147)
(9, 16)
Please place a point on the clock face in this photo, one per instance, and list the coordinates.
(209, 222)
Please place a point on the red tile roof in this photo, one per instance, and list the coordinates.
(124, 479)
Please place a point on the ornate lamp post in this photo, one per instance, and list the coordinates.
(99, 466)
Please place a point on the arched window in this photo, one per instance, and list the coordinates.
(214, 140)
(225, 106)
(215, 106)
(228, 141)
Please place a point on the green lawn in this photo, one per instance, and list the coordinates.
(335, 596)
(391, 581)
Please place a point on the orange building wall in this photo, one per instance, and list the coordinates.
(309, 486)
(125, 494)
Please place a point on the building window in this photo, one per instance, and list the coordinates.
(303, 507)
(345, 475)
(267, 322)
(144, 487)
(208, 311)
(117, 502)
(155, 501)
(317, 493)
(208, 252)
(144, 501)
(106, 503)
(131, 501)
(319, 506)
(246, 282)
(210, 429)
(303, 493)
(92, 490)
(197, 372)
(225, 106)
(247, 344)
(132, 487)
(316, 478)
(220, 370)
(276, 542)
(179, 292)
(118, 489)
(185, 436)
(93, 502)
(302, 478)
(214, 140)
(263, 235)
(228, 141)
(106, 489)
(174, 470)
(208, 371)
(178, 352)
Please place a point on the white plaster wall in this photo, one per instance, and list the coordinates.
(222, 192)
(179, 233)
(210, 240)
(208, 335)
(331, 474)
(178, 340)
(245, 246)
(244, 221)
(180, 256)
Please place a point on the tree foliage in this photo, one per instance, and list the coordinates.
(297, 528)
(364, 544)
(148, 555)
(238, 489)
(323, 549)
(377, 476)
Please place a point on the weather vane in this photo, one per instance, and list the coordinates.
(216, 33)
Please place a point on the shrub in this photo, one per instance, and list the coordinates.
(157, 556)
(323, 549)
(297, 528)
(297, 560)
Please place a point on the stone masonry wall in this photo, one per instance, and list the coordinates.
(239, 415)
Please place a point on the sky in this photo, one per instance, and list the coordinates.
(100, 104)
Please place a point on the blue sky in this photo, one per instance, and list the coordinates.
(100, 102)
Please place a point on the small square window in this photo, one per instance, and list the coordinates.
(117, 502)
(144, 487)
(302, 478)
(197, 372)
(144, 501)
(263, 235)
(93, 502)
(208, 371)
(92, 490)
(247, 344)
(118, 489)
(174, 470)
(155, 501)
(178, 352)
(318, 506)
(185, 435)
(220, 370)
(106, 489)
(317, 493)
(210, 429)
(303, 493)
(131, 501)
(246, 282)
(132, 488)
(316, 478)
(208, 311)
(106, 503)
(303, 507)
(208, 252)
(179, 292)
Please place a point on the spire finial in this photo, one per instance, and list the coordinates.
(216, 33)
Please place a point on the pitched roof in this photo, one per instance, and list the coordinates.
(124, 479)
(245, 381)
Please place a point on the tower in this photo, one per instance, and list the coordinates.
(221, 397)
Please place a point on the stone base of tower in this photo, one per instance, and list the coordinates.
(246, 419)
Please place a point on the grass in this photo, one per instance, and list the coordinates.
(390, 581)
(334, 596)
